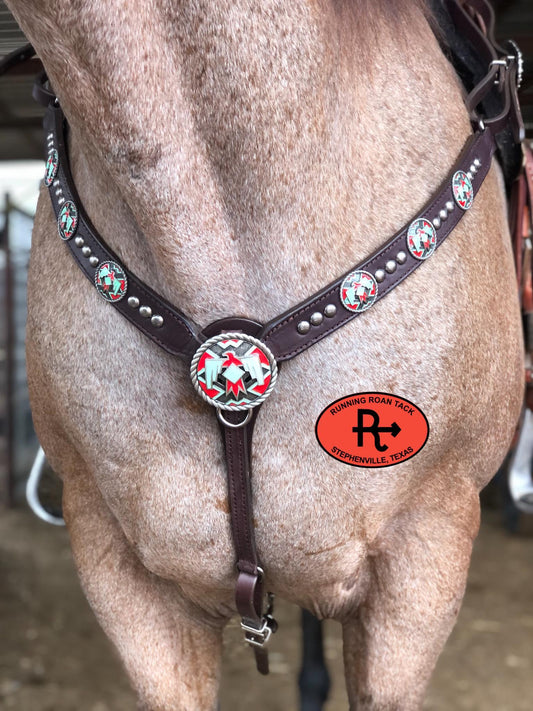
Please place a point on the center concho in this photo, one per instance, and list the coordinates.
(359, 290)
(234, 371)
(463, 192)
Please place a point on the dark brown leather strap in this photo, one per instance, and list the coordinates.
(282, 334)
(249, 589)
(475, 20)
(176, 334)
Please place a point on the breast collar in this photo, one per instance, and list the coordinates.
(234, 361)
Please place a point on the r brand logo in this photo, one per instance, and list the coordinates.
(372, 429)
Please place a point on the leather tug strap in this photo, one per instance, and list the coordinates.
(303, 325)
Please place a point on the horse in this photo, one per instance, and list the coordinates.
(237, 156)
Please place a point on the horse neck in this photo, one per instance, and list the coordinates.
(238, 156)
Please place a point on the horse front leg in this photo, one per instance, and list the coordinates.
(417, 579)
(170, 651)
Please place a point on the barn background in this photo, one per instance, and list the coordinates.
(53, 656)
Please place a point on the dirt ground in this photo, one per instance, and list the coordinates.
(53, 656)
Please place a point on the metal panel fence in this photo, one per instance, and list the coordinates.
(18, 442)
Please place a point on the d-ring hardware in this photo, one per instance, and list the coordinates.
(234, 425)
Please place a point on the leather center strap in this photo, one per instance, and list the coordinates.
(249, 591)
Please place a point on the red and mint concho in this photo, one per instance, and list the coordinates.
(234, 371)
(421, 239)
(358, 291)
(111, 281)
(67, 222)
(463, 192)
(52, 164)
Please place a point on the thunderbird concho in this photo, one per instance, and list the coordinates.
(234, 371)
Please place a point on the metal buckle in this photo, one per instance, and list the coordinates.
(259, 636)
(503, 64)
(506, 62)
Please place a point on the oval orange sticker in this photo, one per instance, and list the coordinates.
(372, 429)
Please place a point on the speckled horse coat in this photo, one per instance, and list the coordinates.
(237, 156)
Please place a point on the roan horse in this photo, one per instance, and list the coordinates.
(237, 156)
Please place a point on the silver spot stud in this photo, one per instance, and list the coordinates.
(330, 310)
(316, 318)
(450, 206)
(469, 175)
(145, 311)
(443, 214)
(86, 251)
(304, 326)
(79, 241)
(391, 265)
(401, 257)
(380, 275)
(157, 321)
(133, 302)
(436, 222)
(94, 261)
(473, 169)
(477, 162)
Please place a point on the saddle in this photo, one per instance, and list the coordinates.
(234, 362)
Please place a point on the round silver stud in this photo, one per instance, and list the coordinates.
(469, 175)
(473, 169)
(61, 201)
(450, 206)
(86, 251)
(133, 302)
(94, 261)
(401, 257)
(145, 311)
(443, 214)
(79, 241)
(380, 275)
(304, 327)
(477, 162)
(316, 318)
(330, 310)
(391, 266)
(157, 321)
(436, 222)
